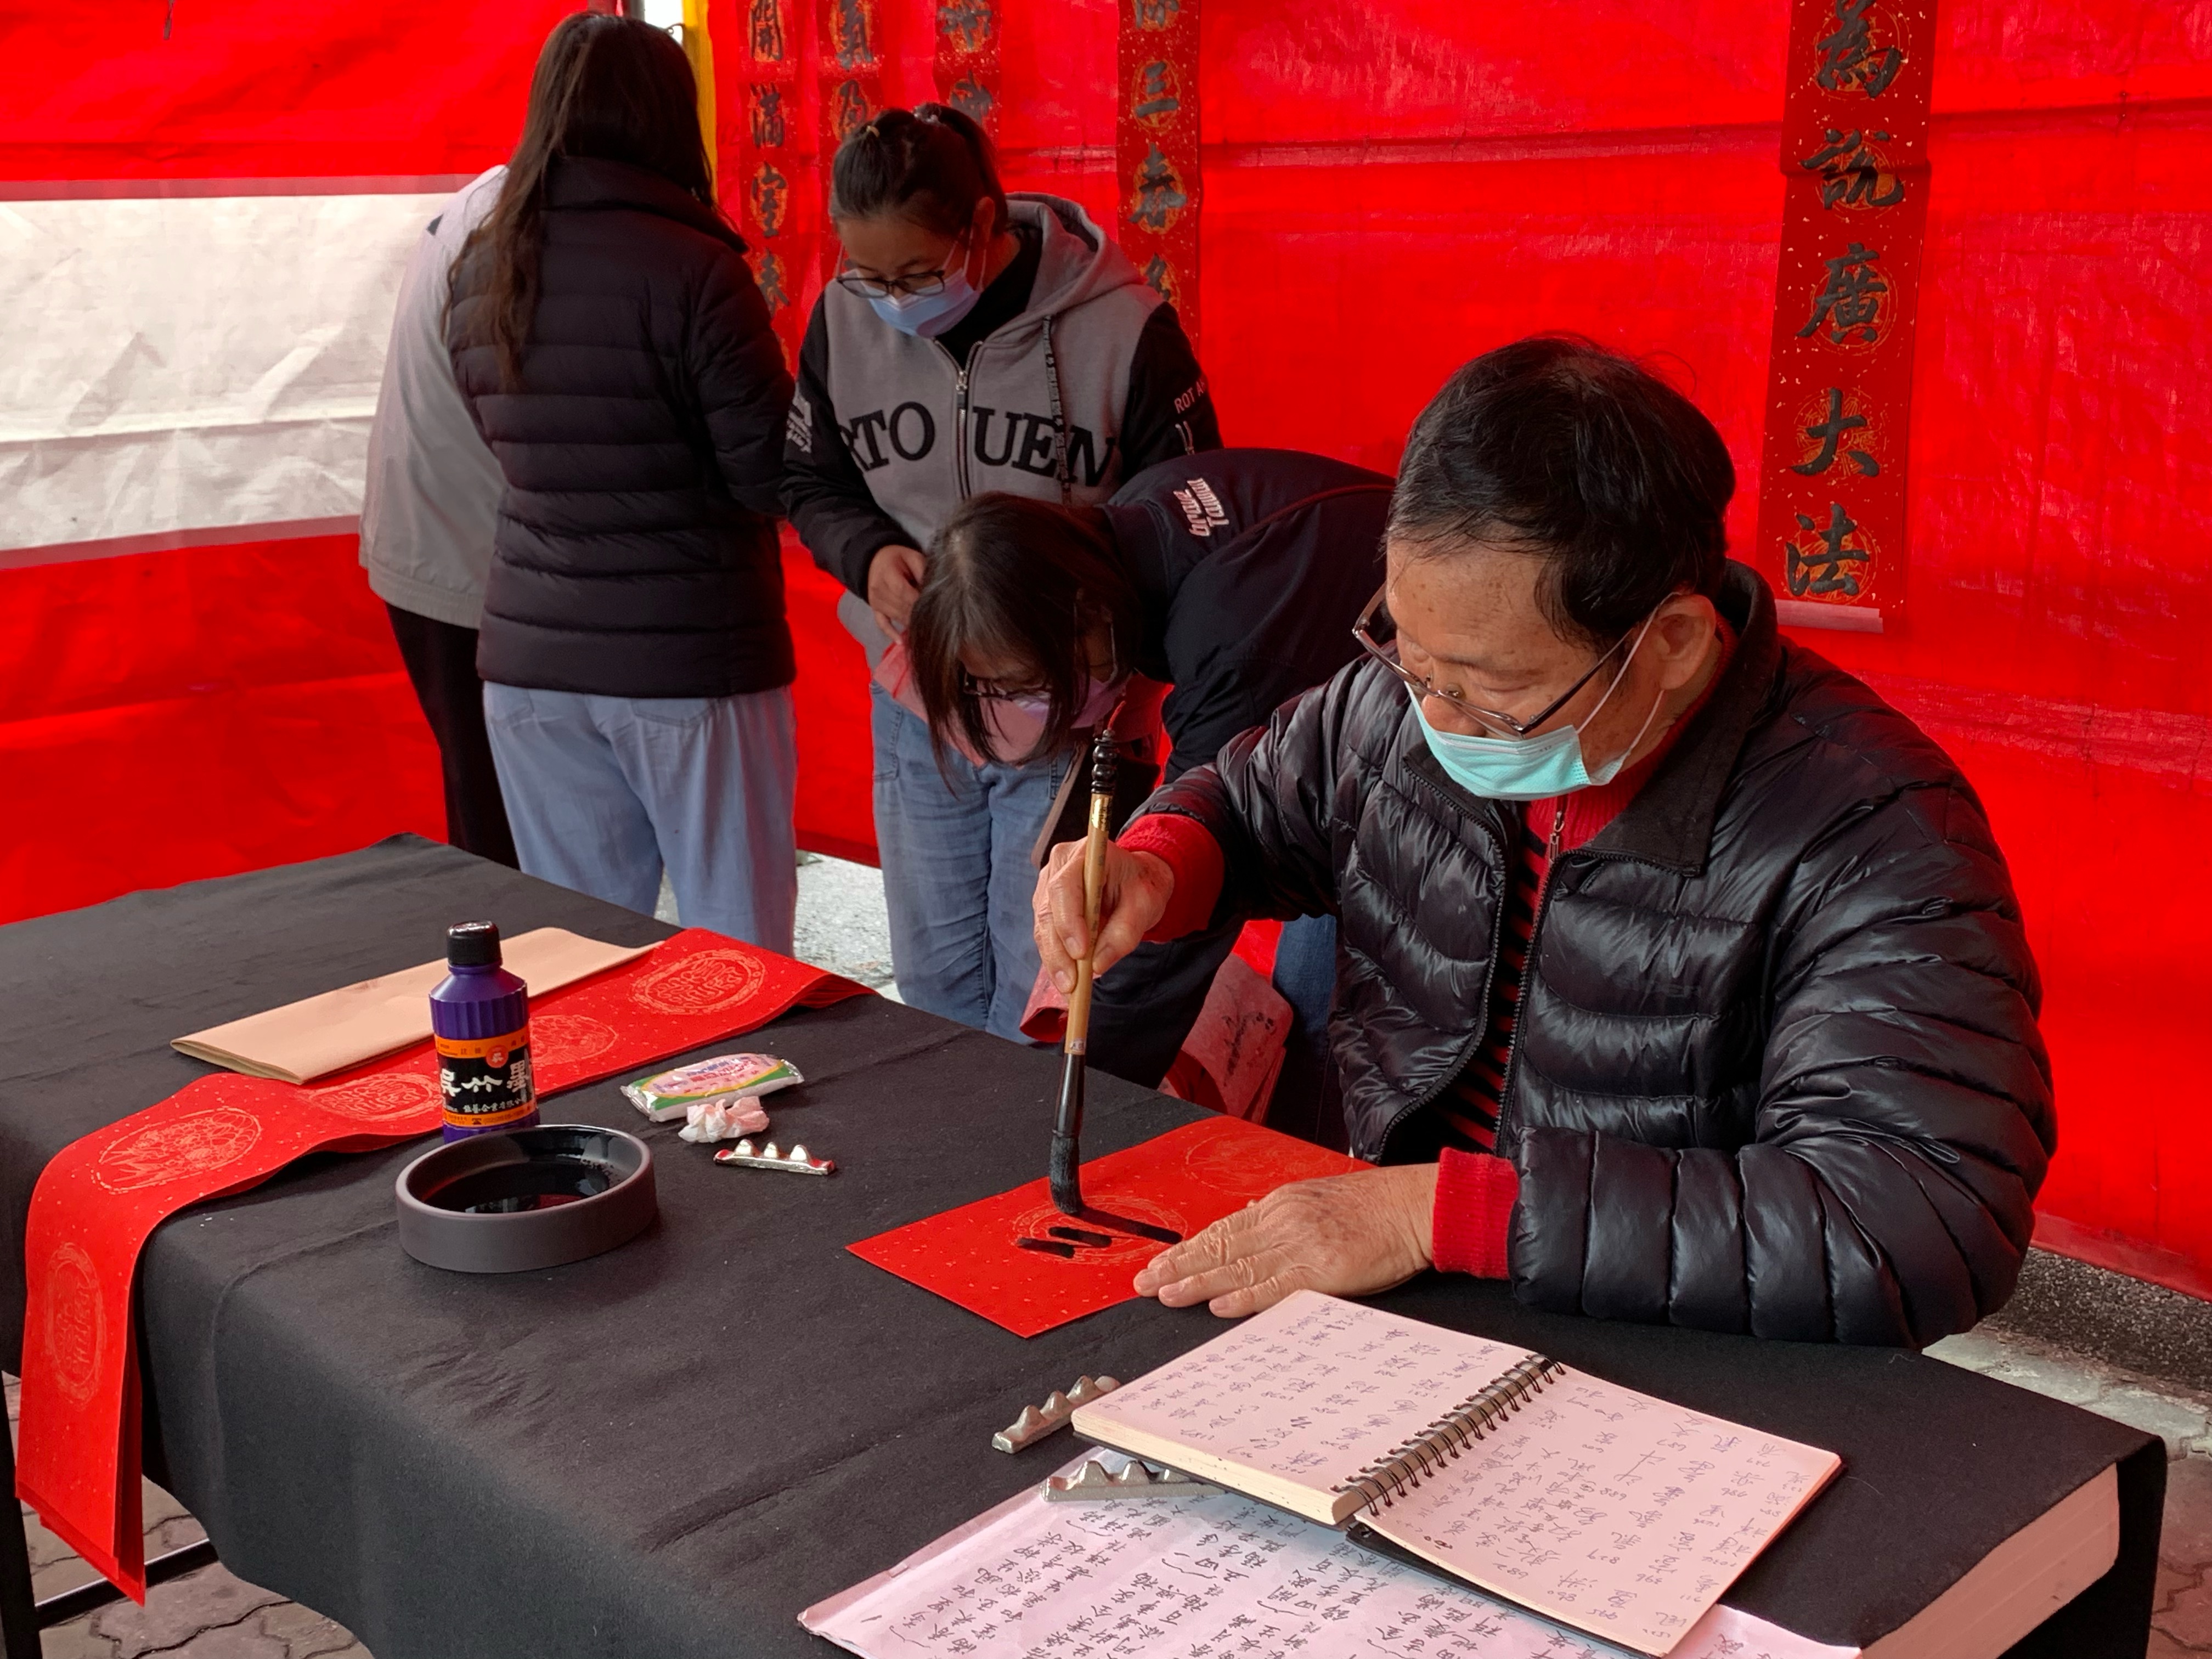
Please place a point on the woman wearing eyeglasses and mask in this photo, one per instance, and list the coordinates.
(974, 340)
(1233, 577)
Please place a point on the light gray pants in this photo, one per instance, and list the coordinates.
(604, 793)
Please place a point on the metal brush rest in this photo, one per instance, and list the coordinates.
(1095, 1481)
(795, 1162)
(1037, 1421)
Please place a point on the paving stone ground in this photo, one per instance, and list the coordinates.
(2182, 1617)
(211, 1614)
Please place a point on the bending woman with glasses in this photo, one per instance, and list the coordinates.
(974, 340)
(1233, 577)
(1681, 978)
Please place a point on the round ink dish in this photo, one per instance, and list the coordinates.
(507, 1202)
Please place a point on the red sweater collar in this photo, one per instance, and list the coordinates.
(1589, 811)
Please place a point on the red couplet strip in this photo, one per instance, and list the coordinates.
(769, 181)
(848, 65)
(1839, 381)
(1156, 156)
(1181, 1181)
(98, 1201)
(966, 68)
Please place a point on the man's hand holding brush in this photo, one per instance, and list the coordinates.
(1134, 897)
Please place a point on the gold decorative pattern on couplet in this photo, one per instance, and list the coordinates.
(382, 1099)
(198, 1143)
(76, 1324)
(710, 982)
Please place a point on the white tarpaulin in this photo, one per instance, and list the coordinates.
(182, 363)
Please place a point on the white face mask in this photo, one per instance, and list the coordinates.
(1532, 768)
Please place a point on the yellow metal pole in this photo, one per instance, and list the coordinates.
(699, 49)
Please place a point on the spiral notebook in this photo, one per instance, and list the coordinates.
(1589, 1504)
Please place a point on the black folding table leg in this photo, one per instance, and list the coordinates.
(19, 1617)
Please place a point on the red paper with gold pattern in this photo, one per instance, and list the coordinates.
(1156, 147)
(1832, 507)
(97, 1202)
(1184, 1180)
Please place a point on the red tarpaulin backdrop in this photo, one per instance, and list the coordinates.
(1388, 189)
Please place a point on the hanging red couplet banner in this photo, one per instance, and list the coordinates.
(1156, 147)
(967, 66)
(766, 179)
(1831, 502)
(849, 66)
(95, 1205)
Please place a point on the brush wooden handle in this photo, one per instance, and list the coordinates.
(1094, 884)
(1102, 766)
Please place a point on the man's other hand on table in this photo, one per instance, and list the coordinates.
(1347, 1235)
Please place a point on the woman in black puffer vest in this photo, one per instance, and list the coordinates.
(617, 356)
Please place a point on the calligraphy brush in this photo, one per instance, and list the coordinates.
(1067, 1124)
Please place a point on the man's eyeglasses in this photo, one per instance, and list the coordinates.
(1378, 636)
(917, 285)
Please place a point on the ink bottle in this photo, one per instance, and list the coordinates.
(480, 1021)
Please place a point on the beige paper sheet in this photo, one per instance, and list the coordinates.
(319, 1035)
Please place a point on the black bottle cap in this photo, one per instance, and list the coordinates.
(472, 945)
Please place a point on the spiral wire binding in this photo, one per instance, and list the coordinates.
(1401, 1468)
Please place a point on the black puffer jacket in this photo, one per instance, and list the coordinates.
(636, 550)
(1778, 1068)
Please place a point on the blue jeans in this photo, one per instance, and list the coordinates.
(1308, 1103)
(604, 793)
(957, 880)
(1306, 977)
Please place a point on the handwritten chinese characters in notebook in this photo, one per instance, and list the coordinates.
(1591, 1503)
(1218, 1578)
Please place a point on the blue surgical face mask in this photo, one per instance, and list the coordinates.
(1530, 768)
(929, 315)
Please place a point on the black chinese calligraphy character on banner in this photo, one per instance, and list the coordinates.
(767, 110)
(1817, 566)
(1829, 433)
(1848, 61)
(1160, 198)
(1851, 173)
(765, 26)
(1849, 303)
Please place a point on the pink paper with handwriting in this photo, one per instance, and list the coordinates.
(1591, 1503)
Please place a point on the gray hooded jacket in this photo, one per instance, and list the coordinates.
(889, 433)
(433, 489)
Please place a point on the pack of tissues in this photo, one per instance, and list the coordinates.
(666, 1096)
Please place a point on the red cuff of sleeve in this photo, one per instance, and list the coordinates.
(1188, 849)
(1475, 1204)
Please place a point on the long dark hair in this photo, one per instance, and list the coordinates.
(613, 87)
(929, 164)
(1024, 582)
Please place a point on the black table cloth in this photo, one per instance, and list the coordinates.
(669, 1450)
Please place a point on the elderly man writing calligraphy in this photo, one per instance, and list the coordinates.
(1680, 978)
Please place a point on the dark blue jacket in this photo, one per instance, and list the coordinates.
(1253, 565)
